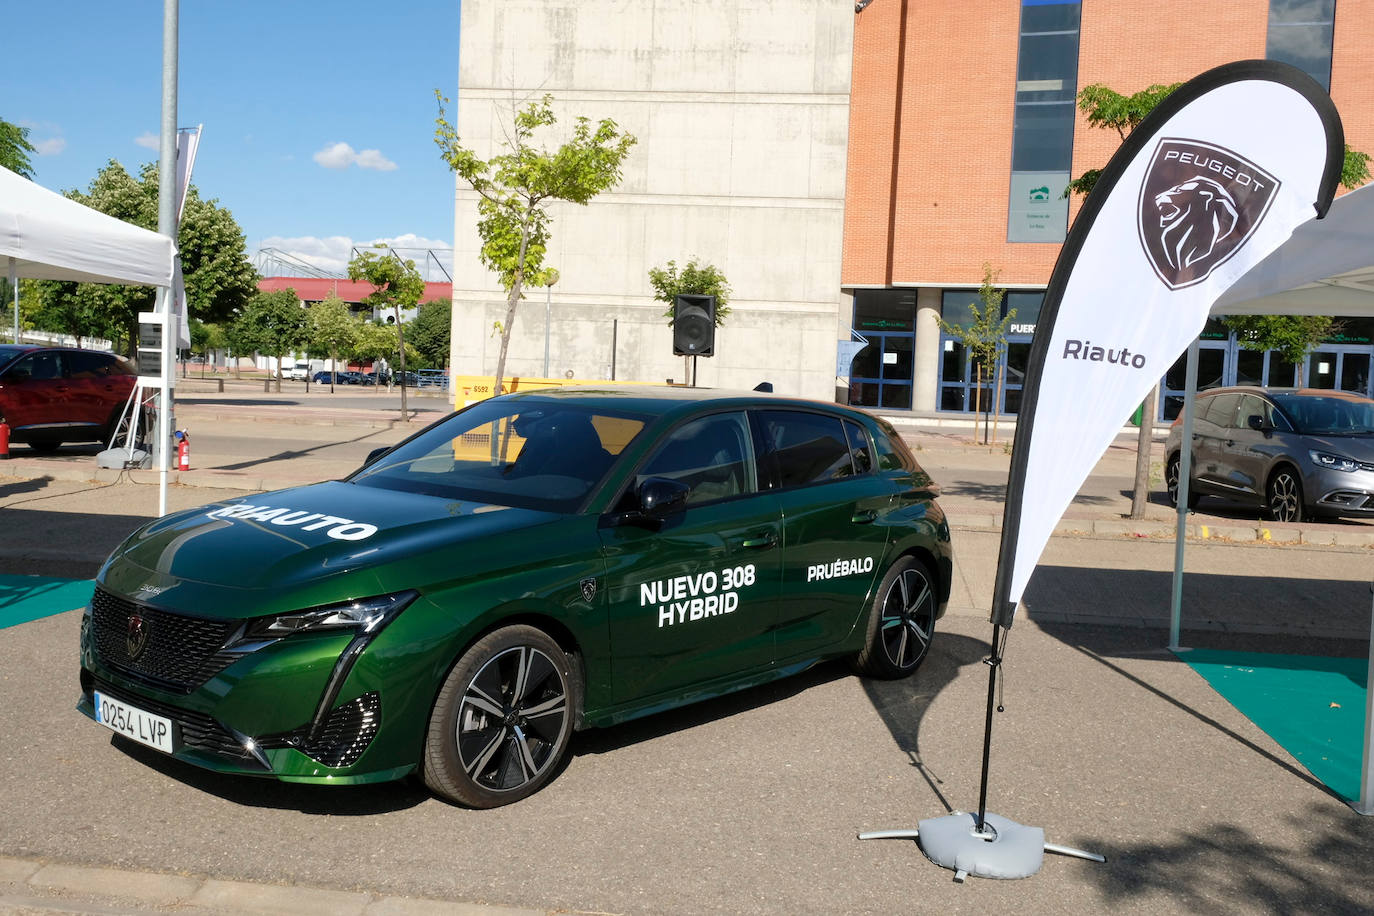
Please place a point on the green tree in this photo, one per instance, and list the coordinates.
(1291, 335)
(377, 341)
(514, 189)
(218, 275)
(80, 315)
(272, 324)
(984, 337)
(693, 279)
(430, 333)
(396, 285)
(332, 330)
(15, 149)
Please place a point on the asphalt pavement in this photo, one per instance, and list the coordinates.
(751, 803)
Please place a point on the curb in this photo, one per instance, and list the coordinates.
(31, 885)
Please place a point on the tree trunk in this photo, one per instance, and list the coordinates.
(511, 303)
(977, 396)
(1140, 496)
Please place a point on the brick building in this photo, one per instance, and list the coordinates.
(963, 134)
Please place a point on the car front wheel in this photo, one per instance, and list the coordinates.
(502, 722)
(900, 623)
(1283, 496)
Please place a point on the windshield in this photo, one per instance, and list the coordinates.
(1320, 416)
(531, 454)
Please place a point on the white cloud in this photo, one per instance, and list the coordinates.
(148, 140)
(333, 253)
(341, 156)
(50, 147)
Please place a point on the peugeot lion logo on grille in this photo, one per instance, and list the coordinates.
(1199, 203)
(137, 636)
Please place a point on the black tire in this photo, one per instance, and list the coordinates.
(502, 722)
(1171, 476)
(901, 622)
(1283, 500)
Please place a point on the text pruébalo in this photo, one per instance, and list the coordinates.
(698, 596)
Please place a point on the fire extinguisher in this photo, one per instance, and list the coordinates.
(183, 451)
(4, 438)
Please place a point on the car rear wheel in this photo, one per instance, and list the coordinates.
(502, 722)
(1171, 478)
(1283, 496)
(901, 622)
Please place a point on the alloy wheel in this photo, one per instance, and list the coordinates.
(908, 618)
(1285, 498)
(511, 719)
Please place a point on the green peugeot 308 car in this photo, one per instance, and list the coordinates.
(532, 565)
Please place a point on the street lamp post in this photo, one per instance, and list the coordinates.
(550, 278)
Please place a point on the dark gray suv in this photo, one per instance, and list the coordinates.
(1294, 453)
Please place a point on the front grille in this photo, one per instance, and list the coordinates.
(179, 652)
(197, 730)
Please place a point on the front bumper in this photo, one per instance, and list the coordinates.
(308, 708)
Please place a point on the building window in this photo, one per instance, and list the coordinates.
(1042, 137)
(959, 381)
(881, 373)
(1300, 33)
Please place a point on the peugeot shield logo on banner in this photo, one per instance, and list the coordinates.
(1199, 203)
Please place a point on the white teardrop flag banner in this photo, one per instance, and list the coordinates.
(1216, 178)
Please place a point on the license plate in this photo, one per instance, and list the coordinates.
(133, 723)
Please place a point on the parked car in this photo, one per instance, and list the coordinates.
(298, 373)
(534, 564)
(52, 395)
(431, 378)
(1295, 454)
(325, 377)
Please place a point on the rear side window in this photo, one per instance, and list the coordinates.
(44, 365)
(799, 448)
(87, 364)
(1221, 409)
(893, 454)
(859, 449)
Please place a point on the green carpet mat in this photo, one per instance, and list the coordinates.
(1311, 705)
(25, 598)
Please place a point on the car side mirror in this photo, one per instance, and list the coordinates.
(1256, 422)
(375, 454)
(660, 497)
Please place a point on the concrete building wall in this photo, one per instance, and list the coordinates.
(741, 110)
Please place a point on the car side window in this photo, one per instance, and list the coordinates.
(1251, 406)
(800, 448)
(893, 455)
(710, 454)
(1221, 410)
(38, 367)
(859, 449)
(89, 365)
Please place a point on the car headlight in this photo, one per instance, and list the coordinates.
(366, 615)
(1333, 462)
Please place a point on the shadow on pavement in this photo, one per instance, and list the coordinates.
(292, 453)
(1217, 859)
(1240, 602)
(903, 703)
(605, 740)
(23, 486)
(265, 792)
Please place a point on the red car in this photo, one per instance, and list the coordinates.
(52, 395)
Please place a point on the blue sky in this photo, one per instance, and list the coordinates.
(318, 117)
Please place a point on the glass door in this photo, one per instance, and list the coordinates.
(880, 375)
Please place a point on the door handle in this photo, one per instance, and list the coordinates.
(763, 542)
(864, 517)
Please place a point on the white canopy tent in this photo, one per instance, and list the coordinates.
(1325, 268)
(45, 236)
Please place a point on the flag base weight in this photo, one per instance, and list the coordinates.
(1001, 849)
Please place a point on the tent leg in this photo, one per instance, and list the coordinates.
(1366, 802)
(1185, 472)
